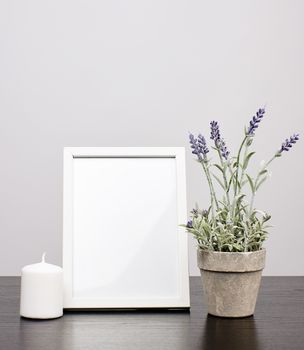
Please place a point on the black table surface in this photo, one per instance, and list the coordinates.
(278, 323)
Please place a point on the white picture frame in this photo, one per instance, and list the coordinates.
(122, 243)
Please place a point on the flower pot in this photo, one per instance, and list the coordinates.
(231, 281)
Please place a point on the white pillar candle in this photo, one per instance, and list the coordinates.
(41, 291)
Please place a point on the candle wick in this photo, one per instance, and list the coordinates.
(43, 257)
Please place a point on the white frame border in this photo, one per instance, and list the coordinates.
(183, 301)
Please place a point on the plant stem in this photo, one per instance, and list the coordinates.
(243, 170)
(242, 173)
(238, 163)
(231, 174)
(224, 166)
(237, 175)
(211, 188)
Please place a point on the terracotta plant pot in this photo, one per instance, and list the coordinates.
(231, 281)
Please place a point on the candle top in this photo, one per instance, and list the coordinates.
(42, 267)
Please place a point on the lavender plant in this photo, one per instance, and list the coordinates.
(232, 223)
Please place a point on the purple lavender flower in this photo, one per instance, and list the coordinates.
(254, 123)
(215, 132)
(289, 142)
(189, 224)
(194, 212)
(223, 149)
(205, 213)
(199, 146)
(203, 145)
(219, 142)
(195, 147)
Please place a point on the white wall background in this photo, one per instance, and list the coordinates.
(144, 73)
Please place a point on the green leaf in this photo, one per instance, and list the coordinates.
(266, 218)
(219, 181)
(263, 172)
(256, 211)
(243, 207)
(244, 183)
(250, 183)
(224, 204)
(231, 180)
(239, 184)
(238, 199)
(203, 226)
(260, 182)
(247, 159)
(219, 167)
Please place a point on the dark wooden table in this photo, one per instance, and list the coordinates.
(277, 324)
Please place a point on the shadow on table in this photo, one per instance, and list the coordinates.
(229, 333)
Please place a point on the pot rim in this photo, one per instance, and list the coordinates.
(230, 253)
(231, 261)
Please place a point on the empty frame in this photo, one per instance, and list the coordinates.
(122, 245)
